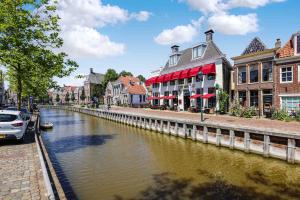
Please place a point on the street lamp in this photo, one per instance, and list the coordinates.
(200, 74)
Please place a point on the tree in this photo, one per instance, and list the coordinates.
(67, 97)
(125, 73)
(82, 96)
(142, 78)
(73, 96)
(29, 37)
(57, 99)
(223, 100)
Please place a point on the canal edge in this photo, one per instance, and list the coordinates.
(51, 181)
(245, 144)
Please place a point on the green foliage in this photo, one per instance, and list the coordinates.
(67, 97)
(248, 112)
(82, 96)
(281, 115)
(125, 73)
(57, 99)
(297, 117)
(73, 96)
(223, 98)
(142, 78)
(236, 109)
(98, 91)
(28, 39)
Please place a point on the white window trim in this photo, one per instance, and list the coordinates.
(281, 75)
(204, 46)
(295, 42)
(298, 73)
(249, 73)
(237, 75)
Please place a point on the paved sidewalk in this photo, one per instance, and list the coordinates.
(20, 170)
(262, 124)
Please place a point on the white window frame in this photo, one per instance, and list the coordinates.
(298, 73)
(202, 47)
(281, 74)
(238, 71)
(172, 61)
(288, 96)
(262, 72)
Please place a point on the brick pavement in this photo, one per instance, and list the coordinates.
(262, 124)
(20, 170)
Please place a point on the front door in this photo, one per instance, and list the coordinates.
(186, 99)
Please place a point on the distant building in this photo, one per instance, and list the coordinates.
(287, 77)
(92, 79)
(253, 76)
(189, 75)
(126, 91)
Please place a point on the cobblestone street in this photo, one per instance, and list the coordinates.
(20, 170)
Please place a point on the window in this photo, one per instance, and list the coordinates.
(199, 78)
(198, 51)
(211, 77)
(267, 71)
(199, 91)
(298, 44)
(253, 73)
(166, 93)
(211, 90)
(165, 84)
(242, 97)
(242, 74)
(189, 80)
(286, 74)
(254, 98)
(290, 103)
(173, 60)
(172, 82)
(155, 85)
(180, 81)
(7, 117)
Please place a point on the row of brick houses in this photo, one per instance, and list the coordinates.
(261, 77)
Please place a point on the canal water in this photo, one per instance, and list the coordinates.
(103, 160)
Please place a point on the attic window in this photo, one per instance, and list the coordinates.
(198, 51)
(173, 60)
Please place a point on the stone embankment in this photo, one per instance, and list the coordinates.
(280, 145)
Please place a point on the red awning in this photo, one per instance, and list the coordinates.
(194, 71)
(161, 78)
(184, 74)
(151, 80)
(168, 77)
(209, 69)
(152, 98)
(195, 96)
(176, 75)
(207, 96)
(171, 97)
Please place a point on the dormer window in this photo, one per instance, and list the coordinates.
(198, 51)
(173, 60)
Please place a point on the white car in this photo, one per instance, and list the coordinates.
(13, 125)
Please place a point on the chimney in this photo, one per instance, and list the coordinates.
(91, 70)
(278, 43)
(174, 49)
(209, 35)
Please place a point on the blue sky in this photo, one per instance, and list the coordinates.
(130, 26)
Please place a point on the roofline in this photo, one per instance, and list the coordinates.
(255, 54)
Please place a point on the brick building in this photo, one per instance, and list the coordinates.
(253, 77)
(287, 80)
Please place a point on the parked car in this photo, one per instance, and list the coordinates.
(25, 114)
(12, 125)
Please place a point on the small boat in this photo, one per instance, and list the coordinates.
(46, 125)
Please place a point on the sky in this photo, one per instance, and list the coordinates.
(136, 35)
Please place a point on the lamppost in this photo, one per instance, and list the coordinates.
(200, 74)
(217, 86)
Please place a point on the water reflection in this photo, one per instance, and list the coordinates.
(100, 159)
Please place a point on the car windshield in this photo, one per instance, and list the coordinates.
(7, 117)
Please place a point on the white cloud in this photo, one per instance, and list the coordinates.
(250, 3)
(81, 21)
(180, 34)
(206, 6)
(233, 24)
(86, 42)
(141, 16)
